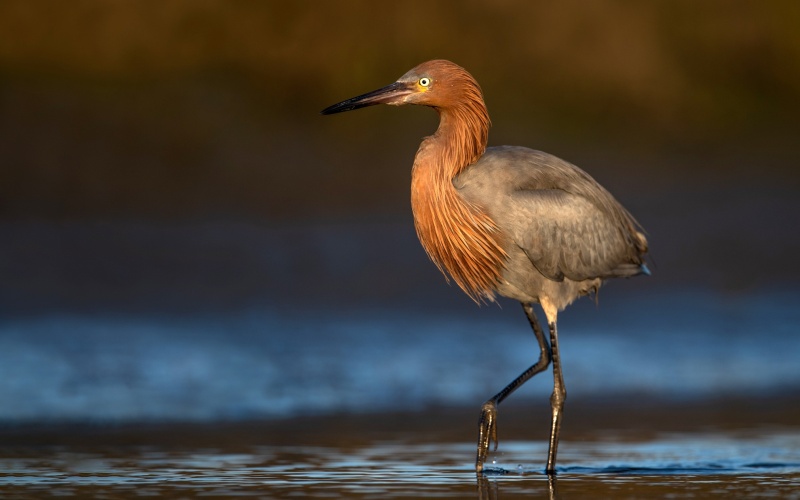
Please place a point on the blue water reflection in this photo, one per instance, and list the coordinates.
(278, 363)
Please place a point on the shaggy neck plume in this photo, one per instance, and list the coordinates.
(459, 238)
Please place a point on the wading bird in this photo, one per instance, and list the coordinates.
(507, 221)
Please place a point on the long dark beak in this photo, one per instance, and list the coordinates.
(390, 94)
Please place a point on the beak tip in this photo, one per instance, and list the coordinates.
(336, 108)
(386, 95)
(329, 111)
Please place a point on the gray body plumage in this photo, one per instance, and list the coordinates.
(564, 232)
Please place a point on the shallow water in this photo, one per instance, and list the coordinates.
(701, 465)
(672, 393)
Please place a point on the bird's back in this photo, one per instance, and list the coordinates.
(562, 231)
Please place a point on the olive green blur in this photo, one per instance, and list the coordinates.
(182, 108)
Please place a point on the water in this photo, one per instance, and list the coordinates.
(161, 373)
(701, 465)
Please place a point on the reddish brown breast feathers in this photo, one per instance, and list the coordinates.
(460, 238)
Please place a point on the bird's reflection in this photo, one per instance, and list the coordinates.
(490, 490)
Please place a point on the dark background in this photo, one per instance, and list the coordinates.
(183, 236)
(157, 153)
(163, 153)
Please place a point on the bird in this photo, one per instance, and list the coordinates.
(508, 221)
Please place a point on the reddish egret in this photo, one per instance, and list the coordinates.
(507, 221)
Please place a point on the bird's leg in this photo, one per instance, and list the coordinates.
(556, 400)
(487, 433)
(487, 424)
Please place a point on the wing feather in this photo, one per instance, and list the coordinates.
(565, 235)
(566, 223)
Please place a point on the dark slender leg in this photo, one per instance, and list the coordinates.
(487, 425)
(556, 401)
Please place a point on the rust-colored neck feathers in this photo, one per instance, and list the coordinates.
(459, 237)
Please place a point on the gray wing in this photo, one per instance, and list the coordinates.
(566, 235)
(565, 222)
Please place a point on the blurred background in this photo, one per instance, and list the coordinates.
(184, 237)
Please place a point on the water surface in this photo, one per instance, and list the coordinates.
(116, 381)
(684, 465)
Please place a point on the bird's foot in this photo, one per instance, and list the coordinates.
(487, 426)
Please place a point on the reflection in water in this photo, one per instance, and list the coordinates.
(490, 490)
(714, 465)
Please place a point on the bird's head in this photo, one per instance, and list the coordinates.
(439, 84)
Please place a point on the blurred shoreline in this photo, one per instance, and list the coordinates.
(628, 418)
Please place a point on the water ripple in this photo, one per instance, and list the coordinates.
(714, 465)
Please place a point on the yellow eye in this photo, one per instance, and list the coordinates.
(424, 81)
